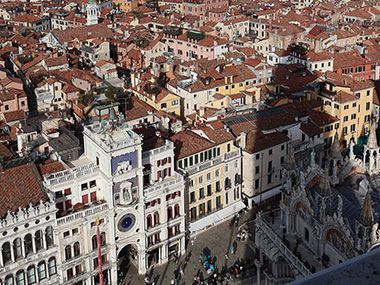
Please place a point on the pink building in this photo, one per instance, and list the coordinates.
(200, 7)
(195, 45)
(13, 100)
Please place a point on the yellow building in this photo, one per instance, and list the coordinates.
(212, 165)
(348, 100)
(158, 97)
(127, 5)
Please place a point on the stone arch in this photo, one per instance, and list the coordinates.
(127, 256)
(337, 238)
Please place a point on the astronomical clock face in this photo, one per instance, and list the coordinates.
(126, 222)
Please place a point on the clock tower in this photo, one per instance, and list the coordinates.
(118, 152)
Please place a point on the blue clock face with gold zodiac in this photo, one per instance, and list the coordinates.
(126, 222)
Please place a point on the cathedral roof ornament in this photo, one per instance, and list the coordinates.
(335, 152)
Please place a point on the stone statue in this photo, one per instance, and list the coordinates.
(103, 125)
(374, 232)
(302, 179)
(125, 191)
(352, 155)
(312, 161)
(340, 204)
(122, 119)
(123, 167)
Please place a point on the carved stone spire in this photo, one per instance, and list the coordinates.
(372, 140)
(335, 152)
(290, 161)
(366, 214)
(325, 184)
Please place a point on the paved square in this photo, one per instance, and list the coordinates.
(217, 240)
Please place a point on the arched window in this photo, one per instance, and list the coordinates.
(17, 248)
(28, 244)
(6, 252)
(76, 249)
(103, 239)
(68, 252)
(176, 210)
(149, 221)
(20, 278)
(94, 242)
(52, 266)
(9, 278)
(31, 275)
(156, 218)
(49, 236)
(170, 213)
(42, 270)
(38, 240)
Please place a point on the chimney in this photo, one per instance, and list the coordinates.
(243, 140)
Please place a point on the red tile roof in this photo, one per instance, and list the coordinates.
(19, 187)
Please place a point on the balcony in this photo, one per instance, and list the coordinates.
(163, 186)
(212, 162)
(70, 174)
(86, 212)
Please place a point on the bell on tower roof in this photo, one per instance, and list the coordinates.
(366, 214)
(324, 184)
(290, 161)
(335, 152)
(372, 140)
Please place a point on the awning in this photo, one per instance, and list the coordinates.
(267, 194)
(218, 216)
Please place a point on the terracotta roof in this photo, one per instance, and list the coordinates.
(5, 152)
(257, 140)
(19, 187)
(14, 116)
(342, 97)
(310, 129)
(187, 143)
(321, 119)
(51, 167)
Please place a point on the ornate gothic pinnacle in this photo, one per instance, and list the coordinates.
(366, 214)
(290, 161)
(324, 184)
(372, 140)
(335, 152)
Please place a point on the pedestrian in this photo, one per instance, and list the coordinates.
(192, 242)
(147, 279)
(232, 250)
(226, 256)
(181, 271)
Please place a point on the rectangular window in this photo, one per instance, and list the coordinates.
(92, 183)
(200, 179)
(208, 176)
(217, 186)
(93, 196)
(367, 105)
(257, 169)
(209, 190)
(269, 178)
(269, 166)
(201, 193)
(196, 158)
(270, 152)
(258, 156)
(228, 147)
(84, 199)
(84, 186)
(192, 197)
